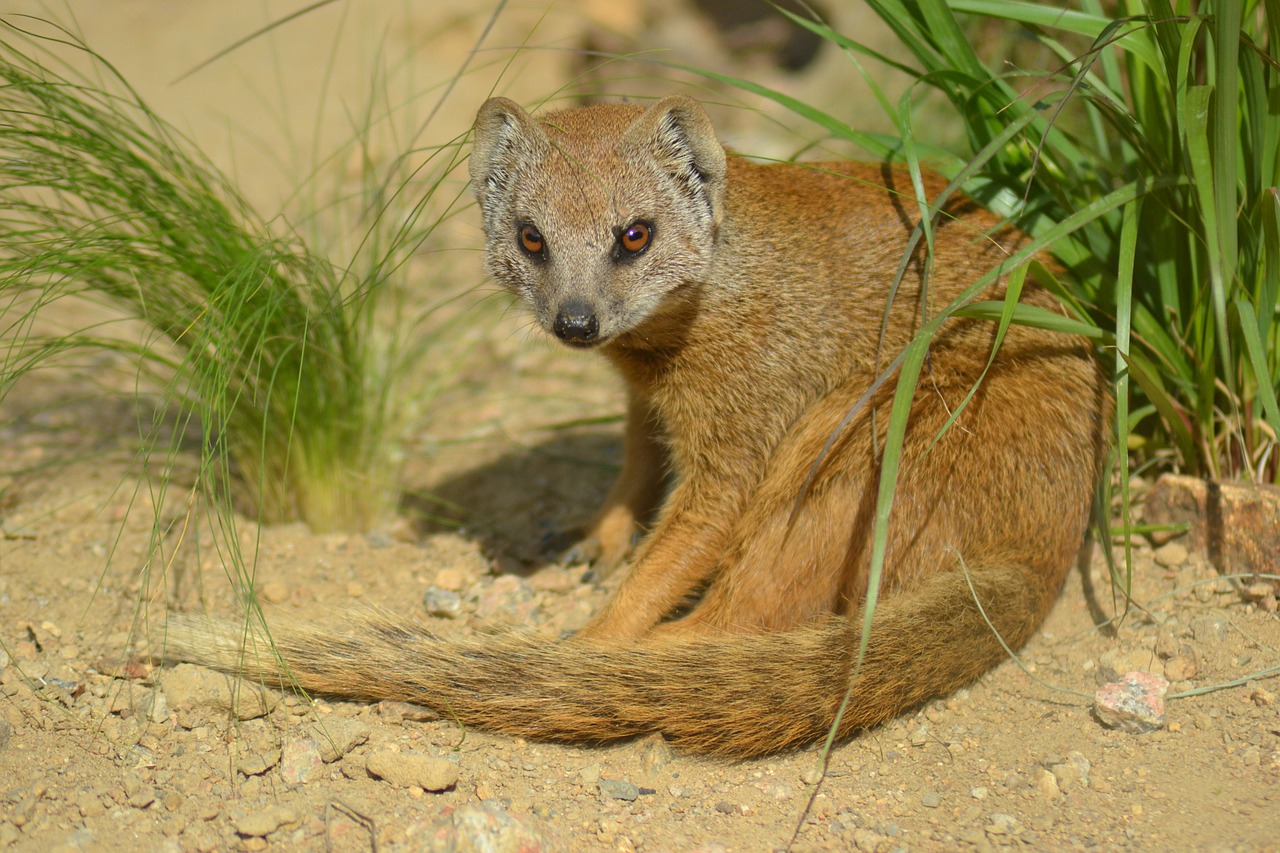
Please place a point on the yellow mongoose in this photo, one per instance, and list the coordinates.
(746, 307)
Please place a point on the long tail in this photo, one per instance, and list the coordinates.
(733, 695)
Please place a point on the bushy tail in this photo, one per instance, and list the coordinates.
(733, 695)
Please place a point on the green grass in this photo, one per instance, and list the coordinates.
(1146, 160)
(281, 358)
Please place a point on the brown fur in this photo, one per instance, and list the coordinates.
(746, 332)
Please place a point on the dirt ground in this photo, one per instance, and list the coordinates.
(99, 750)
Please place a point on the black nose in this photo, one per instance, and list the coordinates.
(576, 323)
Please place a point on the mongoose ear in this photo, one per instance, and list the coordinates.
(503, 132)
(678, 134)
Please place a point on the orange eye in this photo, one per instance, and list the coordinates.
(531, 240)
(636, 238)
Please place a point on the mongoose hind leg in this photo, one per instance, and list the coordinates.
(1010, 479)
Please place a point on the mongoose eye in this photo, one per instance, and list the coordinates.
(635, 238)
(531, 240)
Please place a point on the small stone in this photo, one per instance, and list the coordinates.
(257, 762)
(154, 706)
(450, 580)
(442, 603)
(655, 755)
(1211, 629)
(725, 807)
(1262, 697)
(1047, 784)
(300, 760)
(920, 737)
(263, 823)
(1171, 554)
(143, 798)
(405, 770)
(618, 789)
(485, 826)
(979, 793)
(1180, 668)
(395, 712)
(1133, 704)
(337, 737)
(1072, 773)
(1002, 824)
(194, 686)
(275, 592)
(1114, 663)
(590, 775)
(90, 804)
(866, 840)
(931, 800)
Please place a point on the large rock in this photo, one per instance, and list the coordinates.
(1235, 524)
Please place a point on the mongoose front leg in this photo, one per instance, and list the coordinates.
(634, 499)
(677, 559)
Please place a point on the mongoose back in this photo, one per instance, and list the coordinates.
(748, 310)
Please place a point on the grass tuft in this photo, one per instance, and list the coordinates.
(278, 356)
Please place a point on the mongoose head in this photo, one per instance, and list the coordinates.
(602, 219)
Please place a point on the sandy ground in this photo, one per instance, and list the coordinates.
(101, 751)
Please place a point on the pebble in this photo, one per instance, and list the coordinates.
(655, 755)
(590, 775)
(90, 804)
(867, 840)
(275, 592)
(931, 800)
(442, 603)
(190, 685)
(1211, 629)
(619, 789)
(337, 737)
(508, 598)
(404, 770)
(1047, 784)
(263, 823)
(1002, 824)
(1114, 663)
(1180, 668)
(1171, 554)
(396, 712)
(257, 762)
(1072, 773)
(1133, 704)
(300, 760)
(450, 580)
(485, 826)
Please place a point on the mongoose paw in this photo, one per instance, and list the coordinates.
(569, 546)
(576, 547)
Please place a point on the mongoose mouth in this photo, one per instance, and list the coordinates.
(585, 345)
